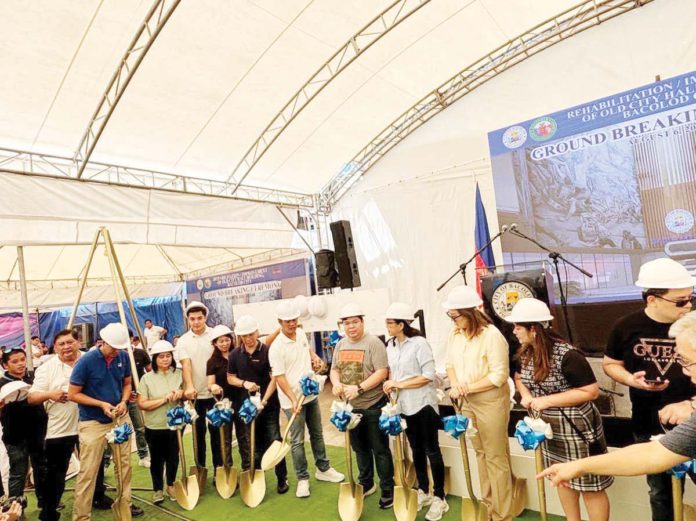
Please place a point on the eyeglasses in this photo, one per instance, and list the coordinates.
(453, 317)
(681, 302)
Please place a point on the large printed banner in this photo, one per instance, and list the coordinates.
(221, 292)
(611, 182)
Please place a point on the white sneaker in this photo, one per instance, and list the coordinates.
(370, 490)
(424, 499)
(438, 507)
(302, 488)
(145, 462)
(331, 475)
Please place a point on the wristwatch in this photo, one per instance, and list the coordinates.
(360, 390)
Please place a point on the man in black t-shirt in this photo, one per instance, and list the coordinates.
(250, 371)
(641, 355)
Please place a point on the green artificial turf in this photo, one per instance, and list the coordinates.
(322, 505)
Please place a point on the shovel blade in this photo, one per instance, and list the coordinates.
(350, 505)
(519, 496)
(121, 509)
(187, 493)
(274, 454)
(409, 473)
(689, 512)
(226, 481)
(201, 475)
(470, 510)
(405, 504)
(252, 487)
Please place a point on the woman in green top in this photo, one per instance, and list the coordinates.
(159, 391)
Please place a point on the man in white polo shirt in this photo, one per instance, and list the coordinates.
(50, 388)
(152, 334)
(195, 348)
(291, 358)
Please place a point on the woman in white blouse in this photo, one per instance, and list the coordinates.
(478, 367)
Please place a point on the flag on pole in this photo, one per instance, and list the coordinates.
(485, 258)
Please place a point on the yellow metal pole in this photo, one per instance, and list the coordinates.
(83, 282)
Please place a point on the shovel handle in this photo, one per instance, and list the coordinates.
(182, 455)
(540, 483)
(292, 419)
(223, 447)
(677, 499)
(252, 447)
(349, 463)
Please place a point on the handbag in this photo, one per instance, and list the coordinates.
(595, 447)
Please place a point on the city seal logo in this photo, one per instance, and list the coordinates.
(679, 220)
(506, 296)
(514, 137)
(543, 129)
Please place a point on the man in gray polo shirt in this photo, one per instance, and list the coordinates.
(677, 446)
(358, 369)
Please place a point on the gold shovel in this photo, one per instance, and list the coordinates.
(198, 470)
(405, 497)
(225, 476)
(472, 508)
(252, 482)
(409, 468)
(350, 495)
(121, 505)
(279, 449)
(539, 460)
(186, 490)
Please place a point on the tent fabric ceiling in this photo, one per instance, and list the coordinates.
(220, 71)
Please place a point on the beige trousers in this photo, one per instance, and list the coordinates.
(92, 444)
(490, 413)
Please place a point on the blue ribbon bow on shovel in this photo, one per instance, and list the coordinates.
(309, 386)
(455, 425)
(220, 414)
(177, 418)
(682, 469)
(120, 434)
(528, 438)
(343, 417)
(248, 411)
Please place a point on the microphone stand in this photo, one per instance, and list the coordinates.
(554, 256)
(462, 267)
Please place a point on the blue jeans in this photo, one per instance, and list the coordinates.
(311, 416)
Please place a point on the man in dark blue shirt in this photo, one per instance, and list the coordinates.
(101, 385)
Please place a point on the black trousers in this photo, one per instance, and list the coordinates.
(203, 406)
(421, 431)
(164, 453)
(267, 431)
(371, 447)
(58, 452)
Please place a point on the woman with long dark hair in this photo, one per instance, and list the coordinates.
(159, 391)
(411, 374)
(216, 371)
(556, 380)
(478, 366)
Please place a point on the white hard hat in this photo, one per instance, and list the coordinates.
(529, 310)
(462, 297)
(287, 310)
(302, 306)
(664, 273)
(161, 346)
(317, 306)
(246, 325)
(220, 330)
(196, 304)
(399, 311)
(116, 335)
(351, 310)
(14, 391)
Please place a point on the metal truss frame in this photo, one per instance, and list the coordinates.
(20, 162)
(147, 33)
(581, 17)
(356, 45)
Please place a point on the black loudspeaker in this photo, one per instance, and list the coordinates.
(346, 260)
(325, 264)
